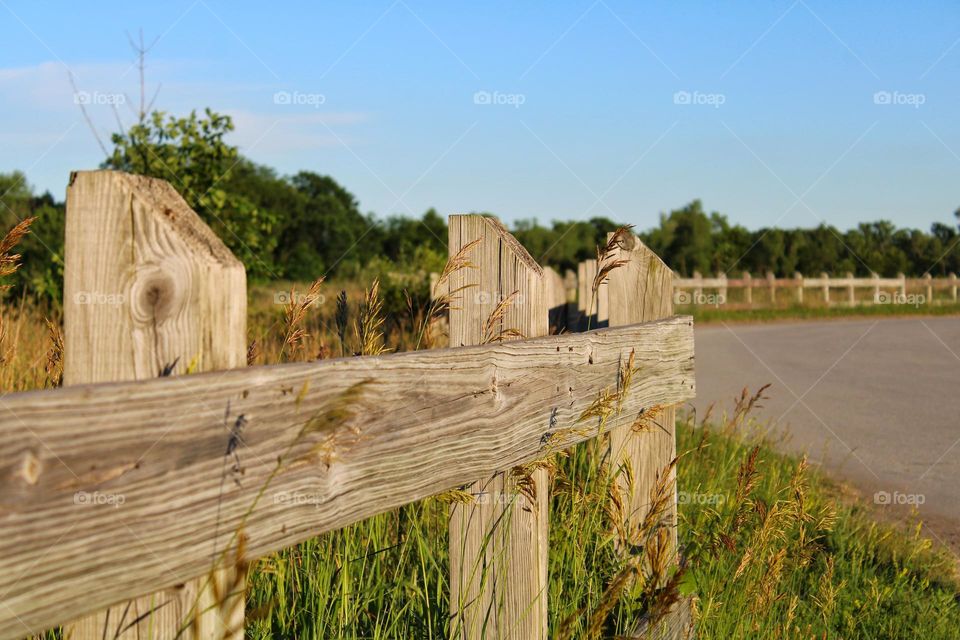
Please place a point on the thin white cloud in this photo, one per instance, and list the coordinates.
(289, 131)
(41, 99)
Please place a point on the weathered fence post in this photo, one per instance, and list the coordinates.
(851, 292)
(928, 281)
(825, 285)
(570, 288)
(953, 287)
(748, 287)
(642, 291)
(556, 295)
(772, 285)
(498, 543)
(150, 290)
(593, 304)
(799, 278)
(697, 287)
(876, 286)
(723, 287)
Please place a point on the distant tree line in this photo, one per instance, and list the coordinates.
(302, 226)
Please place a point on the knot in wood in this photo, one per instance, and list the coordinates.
(156, 294)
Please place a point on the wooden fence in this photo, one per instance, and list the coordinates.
(134, 496)
(824, 289)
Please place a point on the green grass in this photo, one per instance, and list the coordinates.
(772, 549)
(706, 314)
(816, 564)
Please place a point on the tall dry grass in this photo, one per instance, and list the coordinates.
(768, 547)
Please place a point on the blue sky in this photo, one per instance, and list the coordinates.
(778, 113)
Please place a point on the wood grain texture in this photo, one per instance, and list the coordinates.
(641, 291)
(556, 300)
(321, 445)
(677, 623)
(148, 285)
(499, 542)
(593, 305)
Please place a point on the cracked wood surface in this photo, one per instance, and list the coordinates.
(319, 446)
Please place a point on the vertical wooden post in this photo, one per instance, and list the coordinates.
(851, 292)
(723, 287)
(825, 284)
(799, 278)
(498, 544)
(556, 295)
(903, 287)
(570, 287)
(583, 296)
(953, 287)
(594, 304)
(928, 281)
(748, 287)
(772, 286)
(149, 287)
(641, 291)
(697, 288)
(876, 286)
(603, 301)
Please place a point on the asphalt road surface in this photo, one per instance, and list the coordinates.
(875, 402)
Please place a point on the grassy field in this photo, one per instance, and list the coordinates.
(710, 314)
(770, 547)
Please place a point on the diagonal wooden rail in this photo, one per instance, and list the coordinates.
(115, 490)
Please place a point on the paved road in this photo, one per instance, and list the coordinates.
(874, 401)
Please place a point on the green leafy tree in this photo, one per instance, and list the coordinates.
(327, 231)
(191, 154)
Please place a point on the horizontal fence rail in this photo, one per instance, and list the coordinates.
(847, 290)
(324, 445)
(134, 489)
